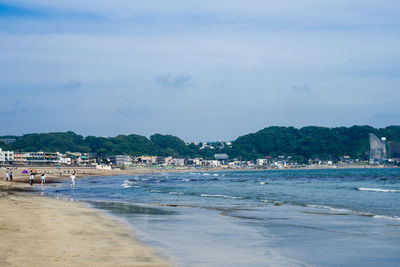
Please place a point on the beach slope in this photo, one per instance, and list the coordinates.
(38, 231)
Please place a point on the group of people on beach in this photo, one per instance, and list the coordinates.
(9, 175)
(32, 173)
(32, 177)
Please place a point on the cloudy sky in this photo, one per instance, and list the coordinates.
(202, 70)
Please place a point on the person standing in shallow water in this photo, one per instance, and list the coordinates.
(31, 177)
(7, 175)
(11, 176)
(73, 180)
(43, 178)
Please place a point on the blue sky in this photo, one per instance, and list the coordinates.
(209, 70)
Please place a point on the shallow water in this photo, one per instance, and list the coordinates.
(267, 218)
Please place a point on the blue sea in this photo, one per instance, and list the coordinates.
(335, 217)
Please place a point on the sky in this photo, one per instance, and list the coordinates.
(201, 70)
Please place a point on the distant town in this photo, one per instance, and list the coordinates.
(377, 156)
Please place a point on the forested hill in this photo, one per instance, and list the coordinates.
(306, 142)
(311, 141)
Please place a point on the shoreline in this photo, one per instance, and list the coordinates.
(57, 174)
(42, 231)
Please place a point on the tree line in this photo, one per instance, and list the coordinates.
(300, 144)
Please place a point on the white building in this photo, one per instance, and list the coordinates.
(6, 157)
(212, 163)
(197, 161)
(121, 160)
(66, 161)
(178, 162)
(261, 162)
(43, 158)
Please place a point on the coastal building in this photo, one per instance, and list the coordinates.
(148, 160)
(377, 152)
(37, 158)
(121, 160)
(75, 157)
(168, 160)
(178, 162)
(221, 157)
(346, 159)
(6, 157)
(89, 159)
(261, 162)
(194, 161)
(43, 158)
(212, 163)
(65, 160)
(20, 158)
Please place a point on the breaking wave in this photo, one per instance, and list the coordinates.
(378, 190)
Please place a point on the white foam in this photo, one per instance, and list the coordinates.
(176, 193)
(220, 196)
(272, 202)
(262, 183)
(392, 218)
(329, 208)
(130, 186)
(378, 190)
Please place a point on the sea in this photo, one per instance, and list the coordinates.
(329, 217)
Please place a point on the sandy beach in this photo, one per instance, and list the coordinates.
(55, 174)
(39, 231)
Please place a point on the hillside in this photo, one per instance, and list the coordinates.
(307, 142)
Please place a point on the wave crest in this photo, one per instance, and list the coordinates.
(378, 190)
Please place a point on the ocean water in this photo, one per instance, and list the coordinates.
(336, 217)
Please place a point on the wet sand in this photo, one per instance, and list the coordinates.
(39, 231)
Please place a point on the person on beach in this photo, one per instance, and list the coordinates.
(72, 180)
(11, 176)
(7, 175)
(43, 179)
(31, 177)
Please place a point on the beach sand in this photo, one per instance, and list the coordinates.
(56, 174)
(39, 231)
